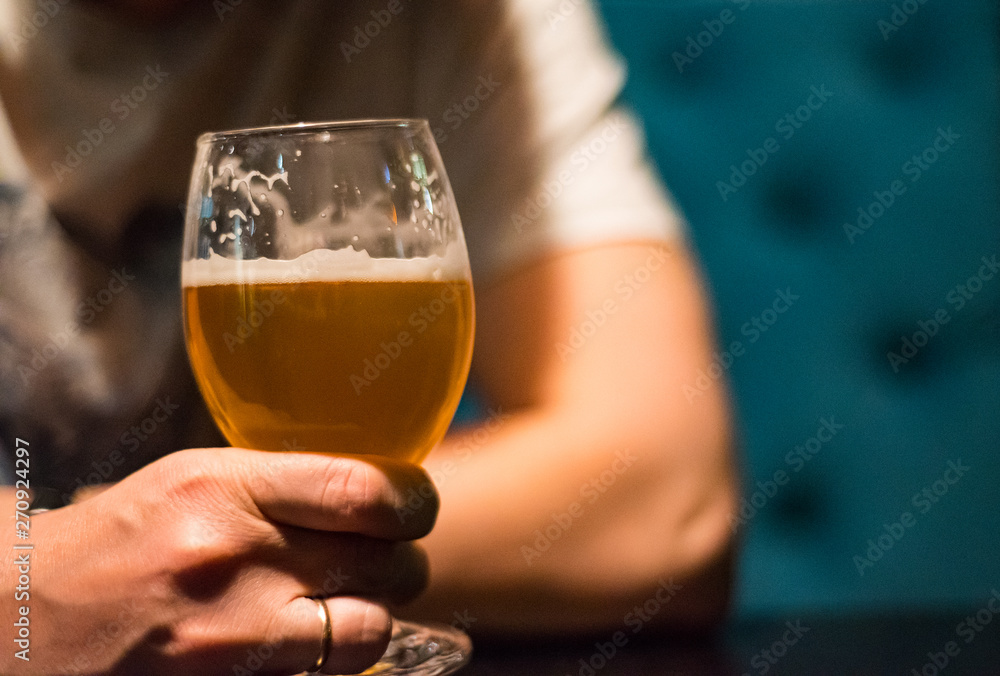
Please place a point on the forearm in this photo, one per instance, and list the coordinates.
(15, 588)
(546, 527)
(605, 479)
(39, 637)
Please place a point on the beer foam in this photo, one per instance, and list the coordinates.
(325, 265)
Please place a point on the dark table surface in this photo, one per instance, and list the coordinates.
(798, 645)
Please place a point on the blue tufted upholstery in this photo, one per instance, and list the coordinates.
(858, 292)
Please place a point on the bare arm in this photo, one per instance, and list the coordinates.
(596, 484)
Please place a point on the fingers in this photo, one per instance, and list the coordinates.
(269, 639)
(329, 522)
(359, 634)
(346, 564)
(221, 547)
(369, 495)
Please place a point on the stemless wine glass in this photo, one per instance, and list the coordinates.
(328, 303)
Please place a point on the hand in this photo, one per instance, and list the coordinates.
(204, 561)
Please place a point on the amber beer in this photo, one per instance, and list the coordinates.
(351, 366)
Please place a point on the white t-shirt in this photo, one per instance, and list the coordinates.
(520, 95)
(99, 118)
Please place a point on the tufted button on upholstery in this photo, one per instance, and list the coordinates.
(795, 199)
(685, 77)
(862, 346)
(797, 508)
(904, 59)
(912, 350)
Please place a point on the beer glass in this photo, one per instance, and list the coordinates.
(328, 303)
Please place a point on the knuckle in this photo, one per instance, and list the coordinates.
(192, 477)
(188, 504)
(349, 489)
(194, 542)
(201, 552)
(199, 558)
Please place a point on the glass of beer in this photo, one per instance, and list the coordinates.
(328, 303)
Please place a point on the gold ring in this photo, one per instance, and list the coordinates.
(324, 649)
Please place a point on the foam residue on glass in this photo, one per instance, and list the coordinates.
(325, 265)
(402, 210)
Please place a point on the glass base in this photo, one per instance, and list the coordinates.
(423, 650)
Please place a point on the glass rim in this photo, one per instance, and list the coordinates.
(311, 128)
